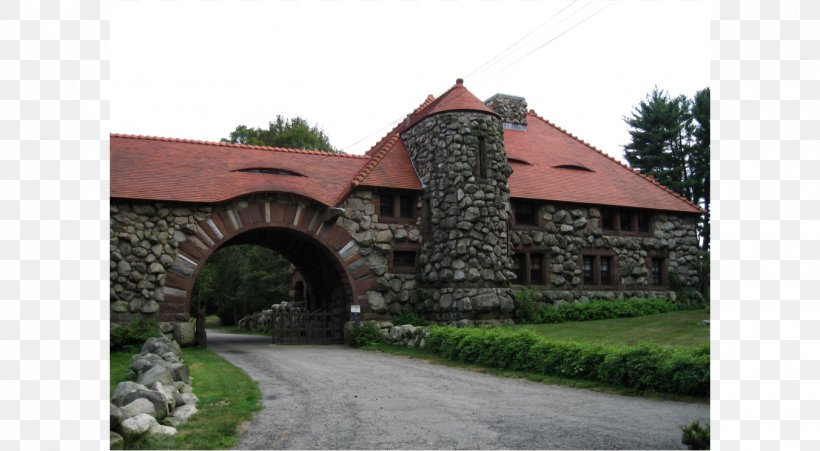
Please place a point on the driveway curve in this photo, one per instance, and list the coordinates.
(335, 397)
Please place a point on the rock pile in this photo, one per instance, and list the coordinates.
(158, 391)
(263, 320)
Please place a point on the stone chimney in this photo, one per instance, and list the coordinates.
(512, 109)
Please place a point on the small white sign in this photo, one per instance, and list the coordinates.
(355, 309)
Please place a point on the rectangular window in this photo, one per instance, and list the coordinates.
(428, 217)
(482, 158)
(626, 221)
(404, 259)
(589, 272)
(518, 268)
(537, 269)
(607, 220)
(406, 206)
(525, 213)
(657, 271)
(643, 221)
(606, 270)
(386, 205)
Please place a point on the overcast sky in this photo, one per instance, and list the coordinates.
(196, 69)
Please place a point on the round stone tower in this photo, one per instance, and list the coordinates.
(456, 145)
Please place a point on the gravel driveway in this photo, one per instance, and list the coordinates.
(337, 397)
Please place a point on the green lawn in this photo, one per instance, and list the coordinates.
(227, 397)
(672, 329)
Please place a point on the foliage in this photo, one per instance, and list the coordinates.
(241, 279)
(530, 313)
(685, 296)
(362, 334)
(227, 398)
(411, 318)
(293, 133)
(525, 307)
(645, 367)
(130, 336)
(695, 436)
(670, 142)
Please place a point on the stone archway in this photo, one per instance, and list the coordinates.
(301, 230)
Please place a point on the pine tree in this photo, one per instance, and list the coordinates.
(670, 142)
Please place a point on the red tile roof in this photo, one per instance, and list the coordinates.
(146, 167)
(608, 182)
(154, 168)
(457, 98)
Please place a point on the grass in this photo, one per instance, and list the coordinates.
(227, 398)
(596, 386)
(673, 329)
(212, 322)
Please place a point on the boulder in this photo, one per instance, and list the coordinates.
(185, 333)
(137, 407)
(180, 415)
(168, 392)
(128, 391)
(162, 430)
(143, 362)
(161, 345)
(115, 416)
(138, 425)
(116, 441)
(181, 373)
(185, 399)
(160, 373)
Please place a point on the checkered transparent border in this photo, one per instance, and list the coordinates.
(54, 174)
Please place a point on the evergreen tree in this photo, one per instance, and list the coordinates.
(293, 133)
(670, 142)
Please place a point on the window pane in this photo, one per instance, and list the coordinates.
(518, 268)
(626, 220)
(386, 205)
(643, 221)
(524, 212)
(406, 206)
(606, 219)
(589, 278)
(404, 258)
(606, 270)
(537, 269)
(657, 277)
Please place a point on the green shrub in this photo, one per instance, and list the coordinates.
(646, 367)
(363, 334)
(685, 296)
(525, 310)
(130, 337)
(409, 318)
(695, 436)
(604, 309)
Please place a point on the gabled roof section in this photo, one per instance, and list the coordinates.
(170, 169)
(457, 98)
(605, 180)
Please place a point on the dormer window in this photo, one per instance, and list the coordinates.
(574, 167)
(270, 171)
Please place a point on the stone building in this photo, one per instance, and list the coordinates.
(453, 210)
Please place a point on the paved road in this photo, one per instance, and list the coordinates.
(337, 397)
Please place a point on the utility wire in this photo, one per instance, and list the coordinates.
(554, 38)
(494, 58)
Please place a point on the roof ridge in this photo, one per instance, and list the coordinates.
(430, 98)
(235, 145)
(375, 160)
(620, 163)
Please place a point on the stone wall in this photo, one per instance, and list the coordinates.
(392, 292)
(144, 238)
(567, 230)
(465, 264)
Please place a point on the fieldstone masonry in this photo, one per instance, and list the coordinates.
(463, 236)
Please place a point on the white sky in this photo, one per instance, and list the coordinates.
(196, 69)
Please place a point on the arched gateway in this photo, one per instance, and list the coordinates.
(445, 216)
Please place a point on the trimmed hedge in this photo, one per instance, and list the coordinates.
(585, 311)
(645, 367)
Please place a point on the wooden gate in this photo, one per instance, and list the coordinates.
(300, 327)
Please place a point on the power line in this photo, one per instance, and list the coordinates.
(488, 62)
(554, 38)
